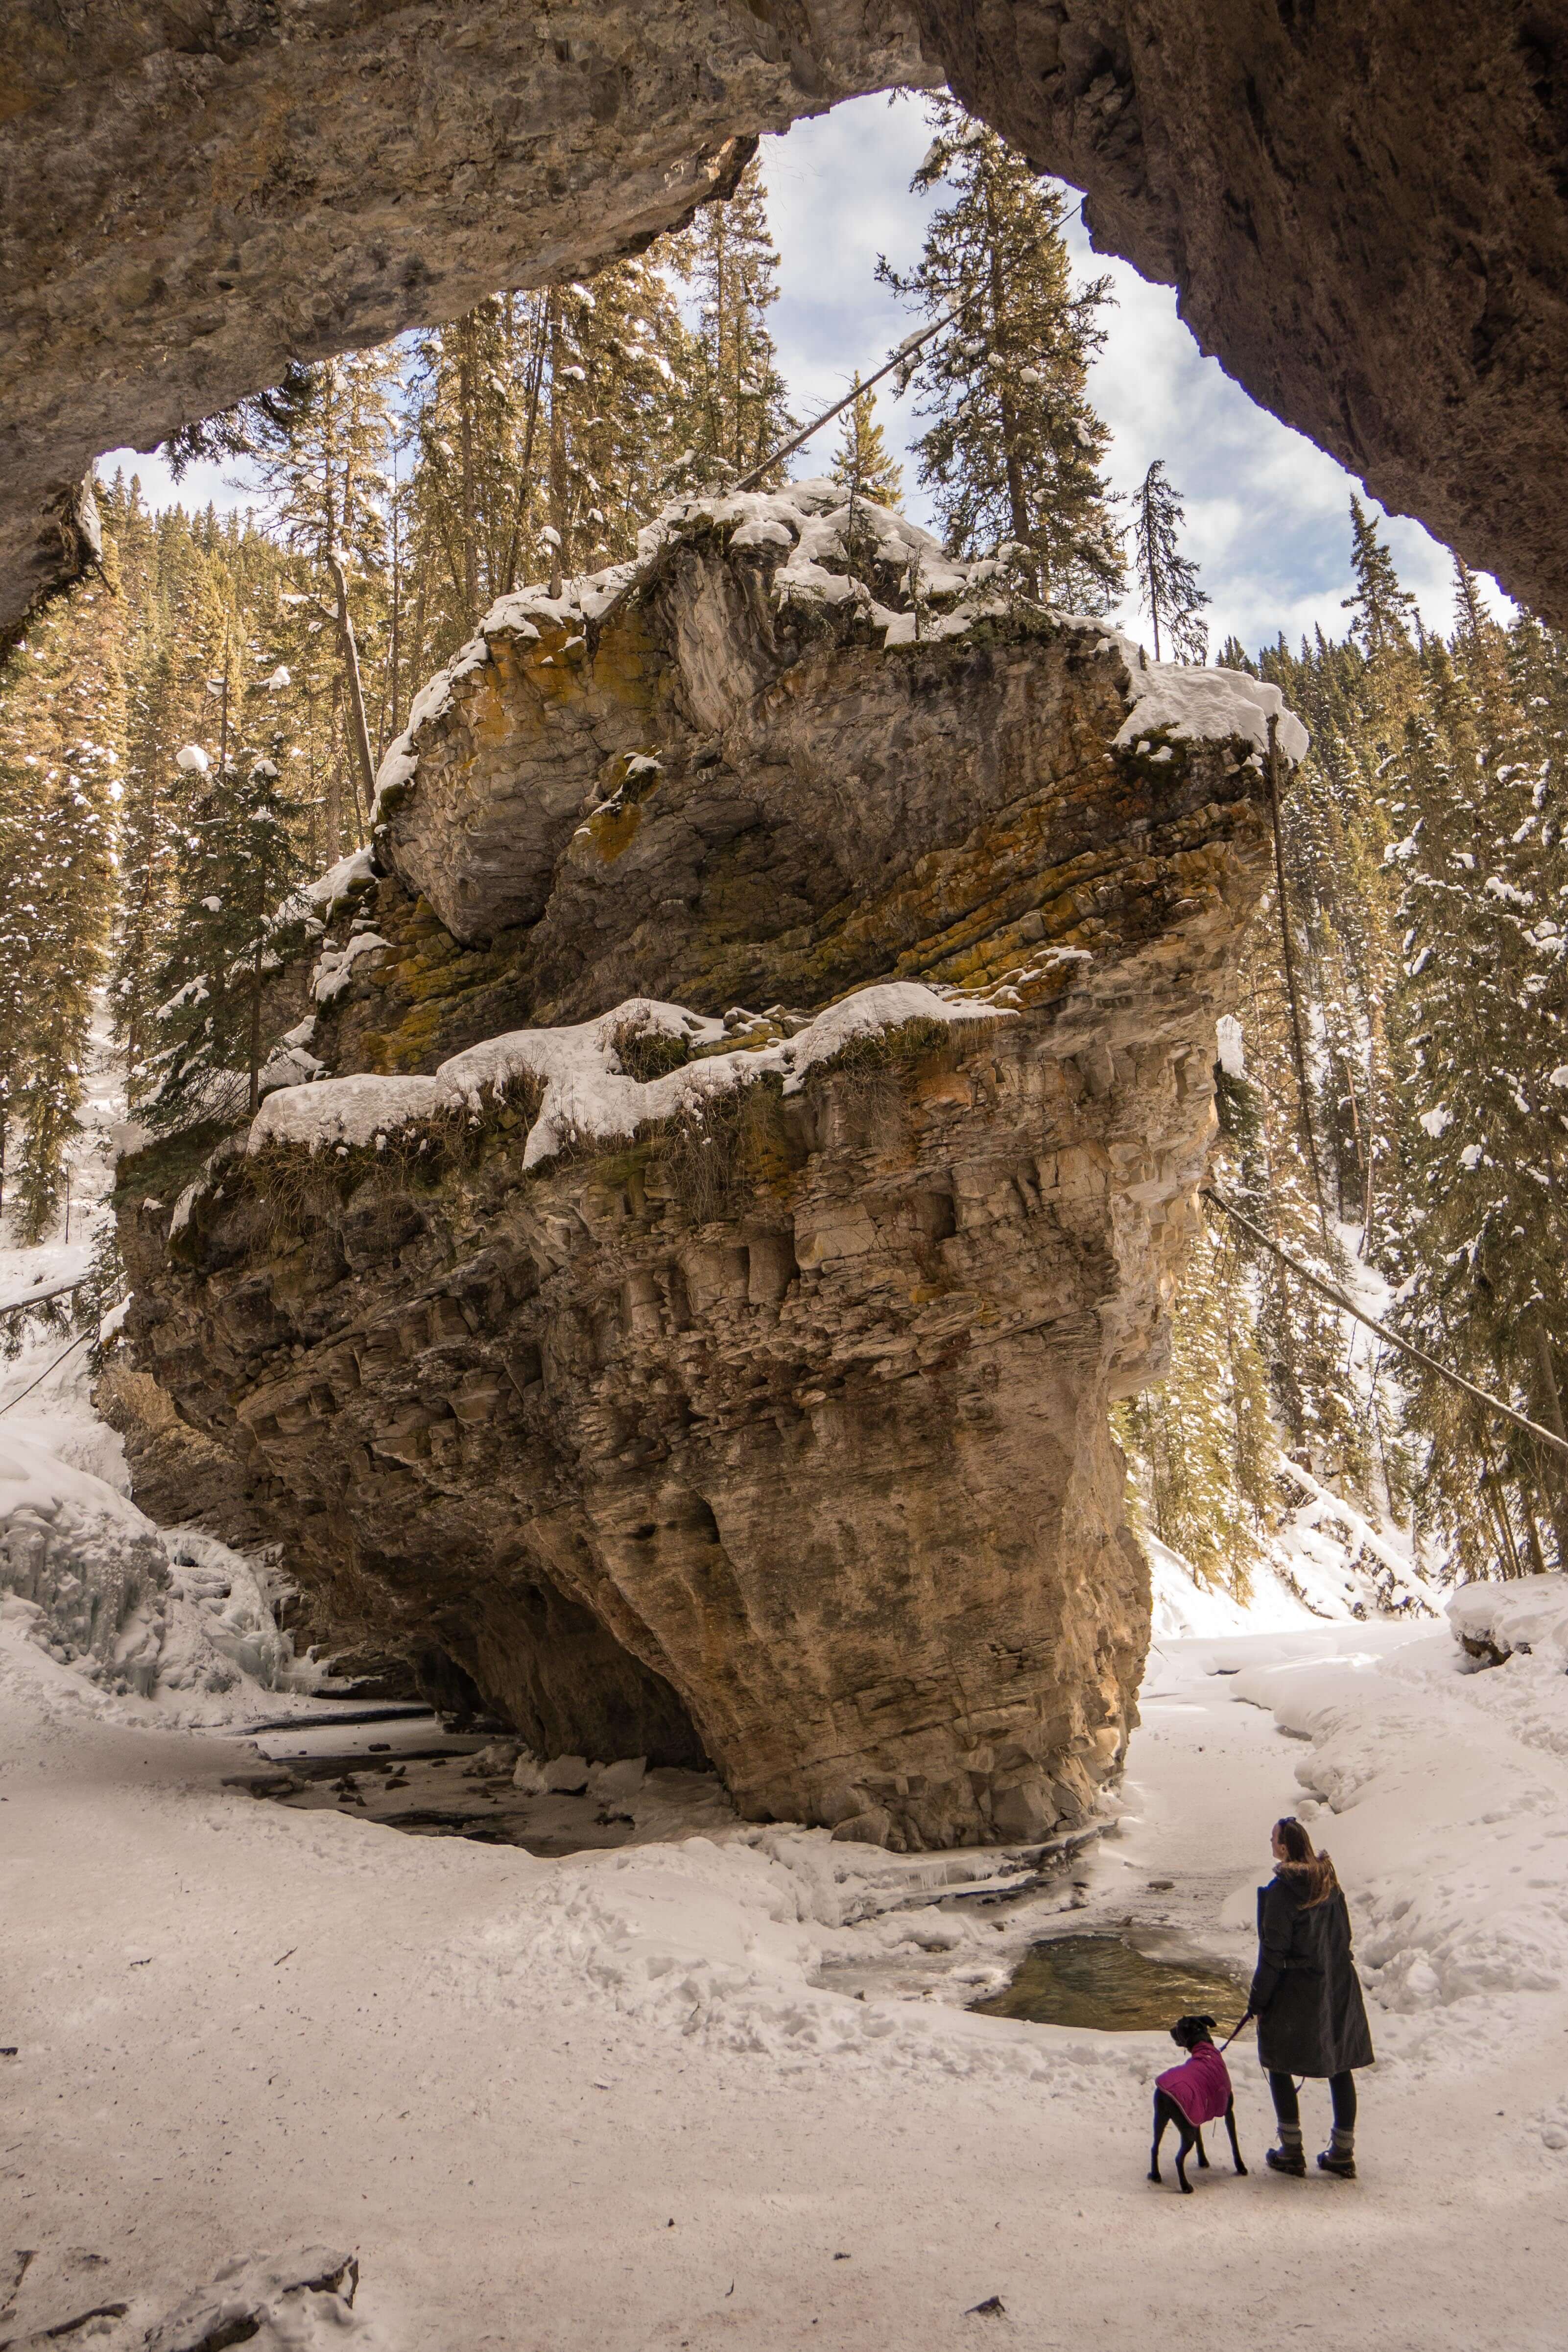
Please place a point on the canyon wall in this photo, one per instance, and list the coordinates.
(1363, 210)
(764, 1071)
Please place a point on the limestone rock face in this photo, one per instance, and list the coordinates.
(733, 1382)
(679, 779)
(1362, 209)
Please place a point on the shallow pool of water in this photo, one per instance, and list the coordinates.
(1107, 1982)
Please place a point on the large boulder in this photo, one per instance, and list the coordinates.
(702, 1377)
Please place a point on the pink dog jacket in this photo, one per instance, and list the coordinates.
(1201, 2086)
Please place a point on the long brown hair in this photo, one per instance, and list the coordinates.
(1316, 1870)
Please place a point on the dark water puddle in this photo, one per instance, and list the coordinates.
(1106, 1982)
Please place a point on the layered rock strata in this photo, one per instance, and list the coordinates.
(731, 1382)
(1363, 210)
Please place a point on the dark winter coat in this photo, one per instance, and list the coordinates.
(1306, 1995)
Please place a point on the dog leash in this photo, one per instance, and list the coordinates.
(1235, 2029)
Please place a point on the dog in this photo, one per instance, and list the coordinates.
(1199, 2085)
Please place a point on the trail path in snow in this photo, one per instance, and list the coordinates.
(503, 2081)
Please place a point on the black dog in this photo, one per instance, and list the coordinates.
(1194, 2034)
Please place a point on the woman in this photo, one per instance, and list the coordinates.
(1307, 1999)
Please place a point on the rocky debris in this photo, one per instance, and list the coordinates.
(497, 1755)
(717, 1385)
(1312, 181)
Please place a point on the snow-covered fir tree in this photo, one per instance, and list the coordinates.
(239, 917)
(62, 719)
(1202, 1445)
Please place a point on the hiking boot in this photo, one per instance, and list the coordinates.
(1285, 2160)
(1339, 2161)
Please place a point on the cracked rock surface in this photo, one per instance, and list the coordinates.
(762, 1416)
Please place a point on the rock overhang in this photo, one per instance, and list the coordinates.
(1361, 212)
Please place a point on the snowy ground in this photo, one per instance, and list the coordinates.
(630, 2100)
(723, 2091)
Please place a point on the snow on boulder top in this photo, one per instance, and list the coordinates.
(353, 1110)
(587, 1096)
(922, 595)
(1206, 704)
(353, 873)
(1529, 1615)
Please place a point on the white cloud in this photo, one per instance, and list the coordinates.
(231, 487)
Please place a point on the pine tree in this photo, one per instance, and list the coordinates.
(239, 917)
(1167, 580)
(1381, 609)
(61, 747)
(1202, 1445)
(1483, 885)
(181, 689)
(542, 434)
(862, 461)
(739, 404)
(325, 470)
(1014, 448)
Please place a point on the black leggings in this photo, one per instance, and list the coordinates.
(1341, 2090)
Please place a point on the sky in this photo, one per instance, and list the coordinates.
(1267, 513)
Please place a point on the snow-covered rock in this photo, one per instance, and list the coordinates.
(1526, 1618)
(587, 1096)
(87, 1562)
(173, 1616)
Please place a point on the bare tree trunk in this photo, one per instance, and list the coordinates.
(1298, 1054)
(1153, 585)
(1493, 1484)
(223, 719)
(396, 647)
(1556, 1497)
(358, 729)
(256, 1028)
(466, 436)
(558, 485)
(1018, 501)
(525, 475)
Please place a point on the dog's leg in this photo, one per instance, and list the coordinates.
(1235, 2143)
(1203, 2159)
(1162, 2117)
(1186, 2131)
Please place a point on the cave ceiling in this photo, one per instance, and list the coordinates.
(1364, 209)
